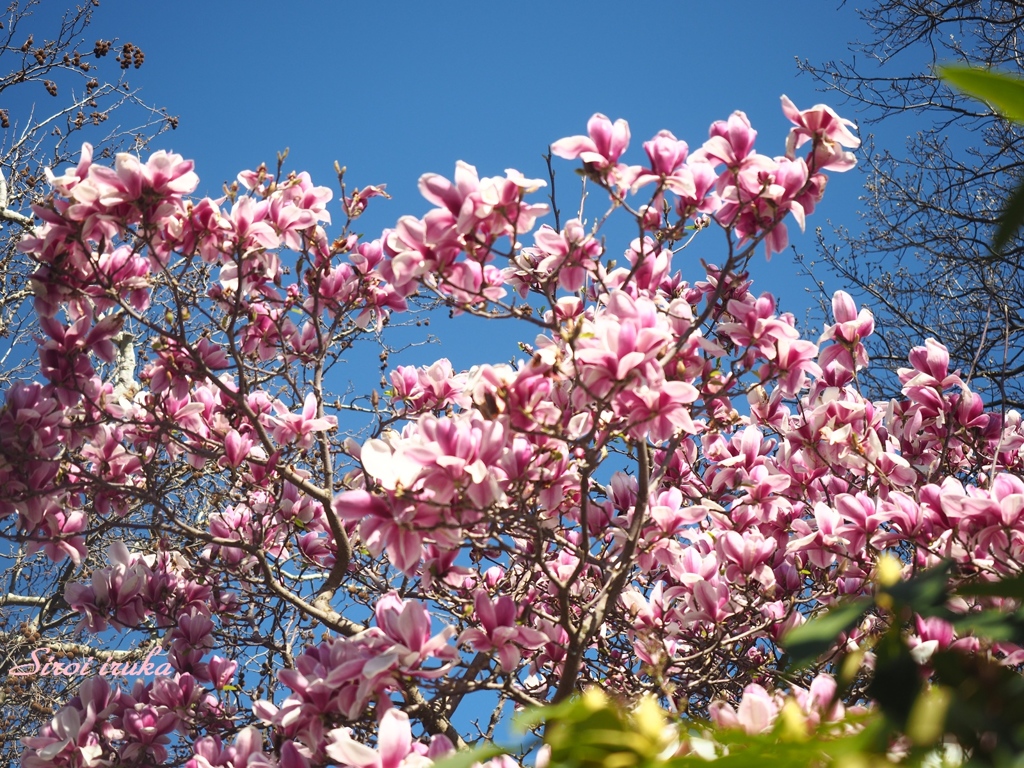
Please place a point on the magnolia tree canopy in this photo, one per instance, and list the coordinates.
(670, 480)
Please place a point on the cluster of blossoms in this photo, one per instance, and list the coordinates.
(758, 710)
(140, 720)
(671, 478)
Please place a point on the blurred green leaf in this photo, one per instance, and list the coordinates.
(994, 625)
(1010, 220)
(806, 643)
(986, 713)
(897, 679)
(1003, 91)
(1013, 588)
(869, 735)
(470, 757)
(595, 731)
(926, 592)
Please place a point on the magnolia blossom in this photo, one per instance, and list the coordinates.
(499, 631)
(829, 133)
(288, 427)
(669, 479)
(395, 747)
(602, 147)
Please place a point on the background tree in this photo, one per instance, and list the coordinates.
(668, 481)
(57, 88)
(209, 502)
(921, 257)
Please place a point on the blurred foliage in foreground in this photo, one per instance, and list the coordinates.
(927, 707)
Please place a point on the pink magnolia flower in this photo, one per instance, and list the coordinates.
(794, 359)
(116, 591)
(623, 343)
(829, 132)
(394, 745)
(499, 631)
(603, 146)
(288, 427)
(572, 255)
(429, 388)
(850, 325)
(841, 360)
(236, 448)
(222, 671)
(190, 640)
(146, 730)
(163, 175)
(760, 191)
(748, 555)
(729, 141)
(246, 750)
(756, 712)
(489, 206)
(339, 677)
(407, 624)
(61, 535)
(930, 368)
(668, 168)
(658, 412)
(818, 701)
(704, 198)
(65, 741)
(385, 526)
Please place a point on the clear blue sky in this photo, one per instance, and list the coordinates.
(396, 89)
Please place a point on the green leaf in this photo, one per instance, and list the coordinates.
(925, 592)
(469, 757)
(1012, 588)
(807, 642)
(826, 747)
(897, 679)
(1010, 220)
(577, 709)
(1003, 91)
(994, 625)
